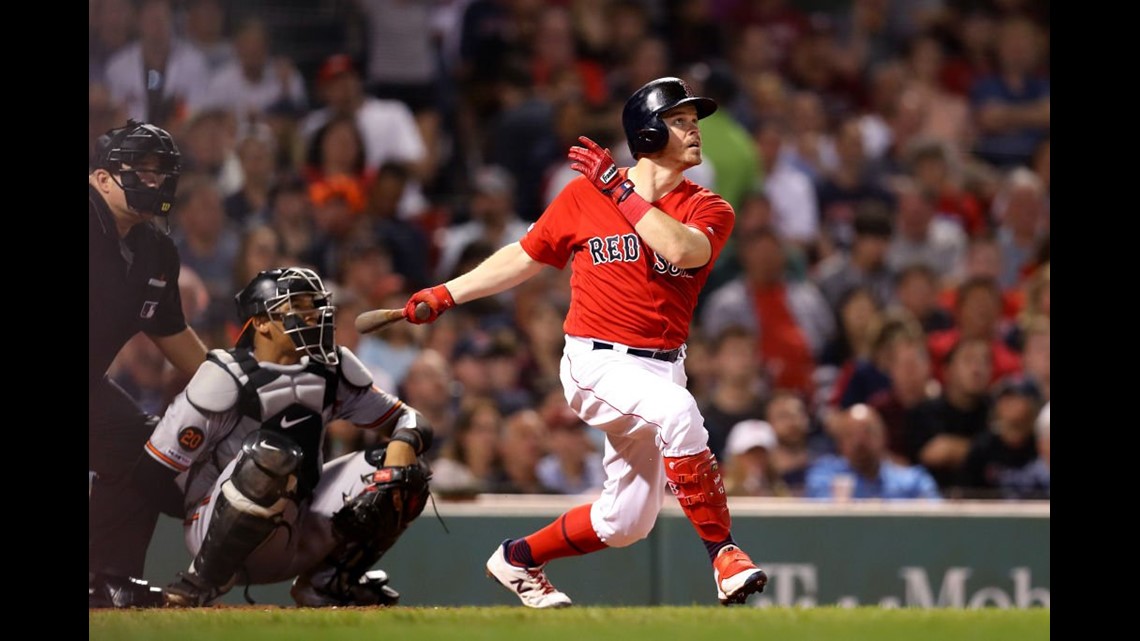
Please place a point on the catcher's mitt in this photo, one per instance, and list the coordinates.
(391, 500)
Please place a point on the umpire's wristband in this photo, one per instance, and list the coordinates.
(631, 205)
(414, 437)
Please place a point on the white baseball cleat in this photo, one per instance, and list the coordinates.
(736, 576)
(529, 584)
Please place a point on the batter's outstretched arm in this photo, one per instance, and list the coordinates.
(506, 268)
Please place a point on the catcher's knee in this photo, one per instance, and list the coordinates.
(264, 473)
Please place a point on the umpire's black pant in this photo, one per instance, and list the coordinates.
(120, 515)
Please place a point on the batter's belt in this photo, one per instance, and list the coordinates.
(669, 356)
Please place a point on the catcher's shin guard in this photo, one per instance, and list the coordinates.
(366, 527)
(696, 482)
(244, 515)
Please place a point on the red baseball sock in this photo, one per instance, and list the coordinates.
(569, 535)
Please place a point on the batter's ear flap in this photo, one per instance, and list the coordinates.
(650, 140)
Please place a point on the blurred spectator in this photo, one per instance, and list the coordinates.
(256, 149)
(208, 243)
(796, 446)
(945, 116)
(1021, 219)
(160, 79)
(694, 34)
(810, 144)
(864, 466)
(790, 189)
(520, 447)
(337, 222)
(940, 429)
(908, 368)
(468, 461)
(870, 375)
(204, 27)
(558, 70)
(1012, 103)
(494, 219)
(739, 389)
(813, 66)
(334, 160)
(1034, 292)
(522, 139)
(725, 144)
(1039, 469)
(851, 186)
(865, 265)
(983, 260)
(783, 23)
(935, 166)
(259, 249)
(857, 318)
(573, 464)
(253, 82)
(972, 38)
(647, 58)
(1035, 352)
(402, 64)
(1000, 461)
(429, 386)
(366, 269)
(290, 212)
(977, 315)
(541, 326)
(884, 86)
(408, 243)
(387, 127)
(209, 146)
(109, 29)
(920, 236)
(916, 291)
(504, 358)
(747, 466)
(790, 319)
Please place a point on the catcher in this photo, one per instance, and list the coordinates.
(245, 439)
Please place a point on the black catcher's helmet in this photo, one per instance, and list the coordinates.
(641, 117)
(310, 326)
(121, 151)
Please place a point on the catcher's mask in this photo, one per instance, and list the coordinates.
(296, 298)
(141, 148)
(641, 117)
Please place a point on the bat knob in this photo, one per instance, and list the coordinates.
(423, 311)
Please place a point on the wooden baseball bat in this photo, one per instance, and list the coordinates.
(375, 319)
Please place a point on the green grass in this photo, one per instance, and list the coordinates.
(573, 624)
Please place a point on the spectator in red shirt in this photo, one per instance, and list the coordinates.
(977, 316)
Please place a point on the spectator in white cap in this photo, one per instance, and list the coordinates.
(747, 468)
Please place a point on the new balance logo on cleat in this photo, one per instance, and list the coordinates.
(530, 585)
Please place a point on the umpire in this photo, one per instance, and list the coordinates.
(132, 277)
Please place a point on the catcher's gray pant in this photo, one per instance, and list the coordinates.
(305, 536)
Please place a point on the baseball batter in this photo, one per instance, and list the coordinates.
(245, 438)
(641, 242)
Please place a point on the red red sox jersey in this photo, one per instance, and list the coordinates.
(620, 289)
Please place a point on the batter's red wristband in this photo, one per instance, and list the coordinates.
(631, 205)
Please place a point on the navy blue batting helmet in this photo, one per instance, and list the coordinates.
(644, 130)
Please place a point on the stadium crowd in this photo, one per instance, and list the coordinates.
(881, 313)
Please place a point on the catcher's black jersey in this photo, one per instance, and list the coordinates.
(132, 286)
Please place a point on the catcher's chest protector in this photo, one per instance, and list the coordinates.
(293, 403)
